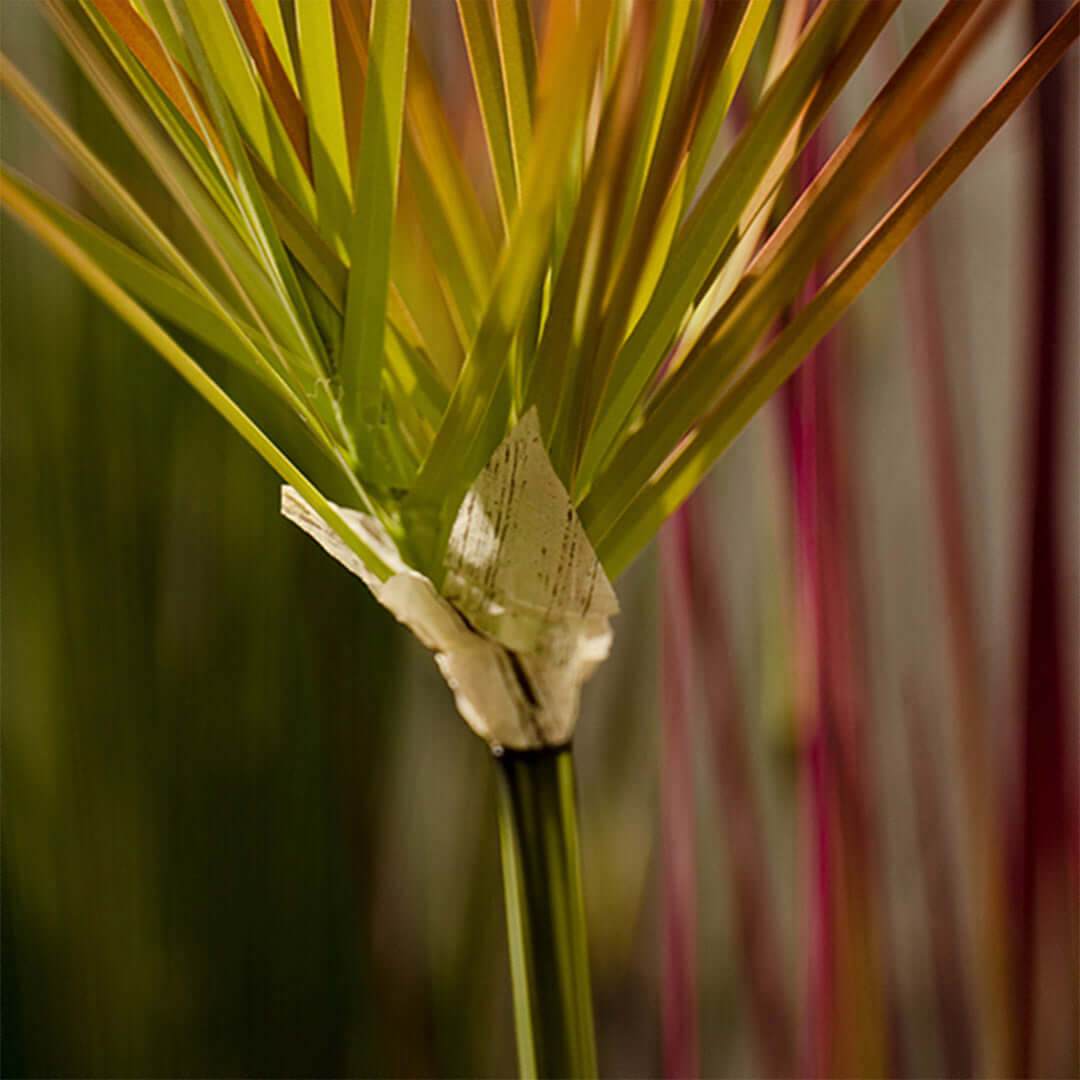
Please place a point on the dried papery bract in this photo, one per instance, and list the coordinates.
(523, 618)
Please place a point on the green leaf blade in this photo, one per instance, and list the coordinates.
(371, 228)
(326, 118)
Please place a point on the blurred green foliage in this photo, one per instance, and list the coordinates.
(197, 712)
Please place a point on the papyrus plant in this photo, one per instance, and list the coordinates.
(591, 302)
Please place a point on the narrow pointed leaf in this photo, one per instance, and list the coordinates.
(710, 226)
(150, 331)
(371, 229)
(259, 225)
(278, 78)
(749, 392)
(778, 272)
(567, 67)
(517, 51)
(723, 93)
(269, 15)
(239, 81)
(481, 41)
(322, 98)
(675, 28)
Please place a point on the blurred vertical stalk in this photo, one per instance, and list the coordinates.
(847, 973)
(678, 871)
(1047, 873)
(738, 804)
(951, 970)
(935, 410)
(545, 913)
(993, 952)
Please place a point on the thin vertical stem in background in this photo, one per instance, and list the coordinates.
(678, 869)
(757, 932)
(951, 972)
(970, 707)
(848, 975)
(1047, 877)
(929, 364)
(545, 913)
(816, 869)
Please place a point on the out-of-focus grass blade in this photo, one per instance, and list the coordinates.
(372, 225)
(568, 65)
(426, 395)
(236, 75)
(213, 212)
(150, 331)
(730, 38)
(269, 15)
(143, 43)
(774, 278)
(158, 79)
(156, 14)
(195, 306)
(278, 78)
(755, 385)
(517, 50)
(120, 204)
(723, 93)
(139, 52)
(622, 271)
(91, 170)
(431, 147)
(709, 227)
(136, 275)
(674, 32)
(572, 327)
(330, 275)
(259, 224)
(755, 218)
(321, 262)
(455, 228)
(326, 118)
(482, 45)
(419, 398)
(421, 281)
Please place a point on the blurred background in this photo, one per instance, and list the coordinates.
(244, 832)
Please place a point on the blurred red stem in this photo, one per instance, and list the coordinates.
(845, 957)
(678, 872)
(756, 927)
(1046, 885)
(935, 409)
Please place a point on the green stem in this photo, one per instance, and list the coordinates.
(545, 913)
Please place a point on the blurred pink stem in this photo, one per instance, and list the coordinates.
(935, 409)
(756, 927)
(946, 939)
(846, 973)
(1047, 886)
(678, 869)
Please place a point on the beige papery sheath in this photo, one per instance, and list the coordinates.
(524, 617)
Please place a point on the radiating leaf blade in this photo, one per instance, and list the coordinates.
(371, 228)
(482, 44)
(752, 388)
(322, 97)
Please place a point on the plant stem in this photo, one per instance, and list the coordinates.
(545, 913)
